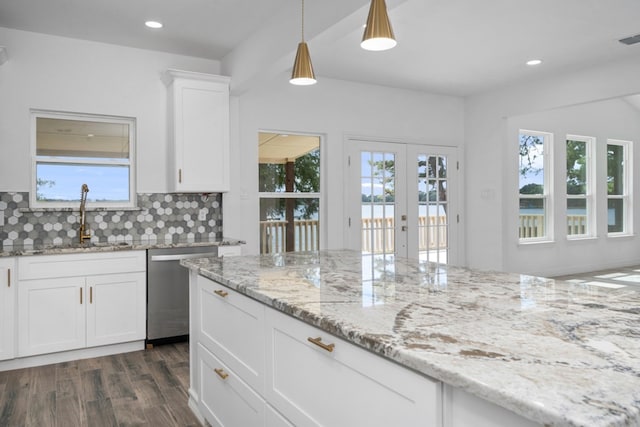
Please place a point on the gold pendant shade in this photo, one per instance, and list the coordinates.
(378, 35)
(302, 73)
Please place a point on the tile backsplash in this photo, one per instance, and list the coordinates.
(158, 218)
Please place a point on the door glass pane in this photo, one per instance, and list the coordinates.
(432, 208)
(378, 202)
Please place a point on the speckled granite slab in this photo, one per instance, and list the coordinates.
(557, 353)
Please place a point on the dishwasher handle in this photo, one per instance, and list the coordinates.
(178, 257)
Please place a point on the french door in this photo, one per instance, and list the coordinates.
(402, 200)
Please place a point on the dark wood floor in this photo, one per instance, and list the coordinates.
(143, 388)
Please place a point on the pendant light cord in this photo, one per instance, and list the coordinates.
(302, 26)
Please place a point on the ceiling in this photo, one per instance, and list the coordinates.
(457, 47)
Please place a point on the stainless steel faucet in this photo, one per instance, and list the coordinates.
(84, 233)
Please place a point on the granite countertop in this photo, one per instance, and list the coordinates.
(554, 352)
(71, 248)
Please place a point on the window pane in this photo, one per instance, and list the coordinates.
(577, 216)
(59, 182)
(288, 225)
(288, 163)
(576, 167)
(531, 164)
(81, 138)
(615, 169)
(615, 215)
(532, 214)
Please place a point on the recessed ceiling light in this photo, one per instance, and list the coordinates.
(534, 62)
(153, 24)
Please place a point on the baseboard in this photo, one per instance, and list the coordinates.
(66, 356)
(193, 405)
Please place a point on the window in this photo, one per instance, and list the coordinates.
(289, 191)
(618, 187)
(71, 149)
(535, 185)
(579, 186)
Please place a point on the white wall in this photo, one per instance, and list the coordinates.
(334, 109)
(57, 73)
(491, 201)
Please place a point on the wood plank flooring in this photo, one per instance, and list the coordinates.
(143, 388)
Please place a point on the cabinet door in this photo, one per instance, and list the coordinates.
(201, 135)
(232, 327)
(225, 400)
(342, 385)
(51, 315)
(116, 308)
(8, 282)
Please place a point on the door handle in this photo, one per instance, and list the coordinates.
(8, 277)
(80, 295)
(90, 294)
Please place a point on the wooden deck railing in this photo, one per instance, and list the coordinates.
(377, 235)
(273, 234)
(533, 225)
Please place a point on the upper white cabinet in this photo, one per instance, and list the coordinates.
(198, 132)
(8, 281)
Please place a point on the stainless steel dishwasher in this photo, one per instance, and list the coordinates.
(168, 293)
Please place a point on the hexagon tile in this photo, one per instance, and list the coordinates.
(158, 218)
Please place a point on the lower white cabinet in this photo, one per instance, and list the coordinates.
(284, 379)
(316, 379)
(8, 282)
(226, 400)
(80, 306)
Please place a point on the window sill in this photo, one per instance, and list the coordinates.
(582, 238)
(109, 209)
(621, 236)
(535, 242)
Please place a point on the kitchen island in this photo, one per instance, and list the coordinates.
(551, 352)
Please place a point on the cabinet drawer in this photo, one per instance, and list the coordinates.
(232, 328)
(346, 386)
(75, 265)
(225, 400)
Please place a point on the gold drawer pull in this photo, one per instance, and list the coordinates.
(8, 277)
(221, 373)
(319, 343)
(220, 292)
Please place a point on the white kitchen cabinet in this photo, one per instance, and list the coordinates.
(115, 310)
(226, 400)
(51, 315)
(252, 365)
(69, 302)
(8, 281)
(198, 160)
(333, 383)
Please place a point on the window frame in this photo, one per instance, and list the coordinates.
(626, 196)
(301, 195)
(547, 191)
(130, 162)
(589, 195)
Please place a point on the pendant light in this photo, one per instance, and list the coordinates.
(302, 73)
(378, 35)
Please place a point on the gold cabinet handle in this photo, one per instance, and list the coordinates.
(8, 277)
(221, 373)
(319, 343)
(80, 295)
(221, 293)
(90, 294)
(179, 176)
